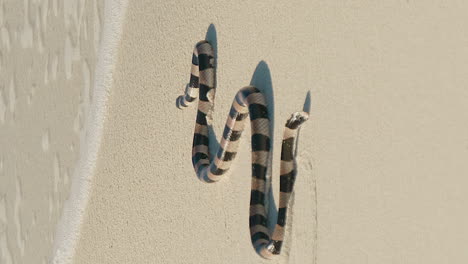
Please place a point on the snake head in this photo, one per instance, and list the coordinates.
(297, 119)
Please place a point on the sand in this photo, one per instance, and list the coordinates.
(47, 69)
(385, 148)
(381, 162)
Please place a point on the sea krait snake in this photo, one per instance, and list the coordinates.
(249, 101)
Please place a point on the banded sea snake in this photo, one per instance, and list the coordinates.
(249, 101)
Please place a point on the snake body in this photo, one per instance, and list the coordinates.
(249, 101)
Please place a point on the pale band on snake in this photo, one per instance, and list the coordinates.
(249, 101)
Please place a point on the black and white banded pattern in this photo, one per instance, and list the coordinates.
(249, 101)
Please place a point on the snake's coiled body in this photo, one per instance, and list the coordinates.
(249, 101)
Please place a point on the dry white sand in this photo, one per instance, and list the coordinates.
(386, 146)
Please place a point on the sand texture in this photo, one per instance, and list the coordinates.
(385, 148)
(47, 69)
(382, 162)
